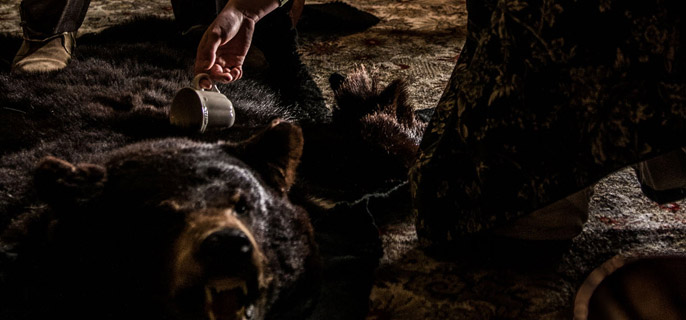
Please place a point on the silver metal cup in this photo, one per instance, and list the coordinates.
(200, 109)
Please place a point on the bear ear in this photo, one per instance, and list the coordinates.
(274, 152)
(395, 100)
(59, 182)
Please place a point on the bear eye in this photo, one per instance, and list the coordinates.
(241, 206)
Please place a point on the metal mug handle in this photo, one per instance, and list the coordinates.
(200, 76)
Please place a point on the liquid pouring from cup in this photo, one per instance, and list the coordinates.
(196, 108)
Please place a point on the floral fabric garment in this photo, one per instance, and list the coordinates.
(547, 97)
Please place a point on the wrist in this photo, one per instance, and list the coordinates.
(252, 9)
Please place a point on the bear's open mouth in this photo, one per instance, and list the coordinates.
(226, 299)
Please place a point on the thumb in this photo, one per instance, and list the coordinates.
(207, 52)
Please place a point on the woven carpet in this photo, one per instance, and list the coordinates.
(486, 278)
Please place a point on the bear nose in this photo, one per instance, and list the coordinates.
(226, 246)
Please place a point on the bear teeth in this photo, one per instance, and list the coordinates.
(225, 299)
(219, 286)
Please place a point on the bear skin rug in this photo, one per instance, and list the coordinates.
(108, 211)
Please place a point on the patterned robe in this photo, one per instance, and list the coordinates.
(547, 97)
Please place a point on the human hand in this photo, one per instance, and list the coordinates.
(223, 47)
(226, 41)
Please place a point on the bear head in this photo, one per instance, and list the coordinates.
(366, 150)
(181, 229)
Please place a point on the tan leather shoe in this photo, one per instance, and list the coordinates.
(561, 220)
(663, 179)
(664, 172)
(38, 56)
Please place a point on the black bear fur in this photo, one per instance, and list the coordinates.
(114, 185)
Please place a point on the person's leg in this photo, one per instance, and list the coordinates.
(49, 34)
(42, 19)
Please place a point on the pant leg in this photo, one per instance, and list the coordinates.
(43, 18)
(191, 13)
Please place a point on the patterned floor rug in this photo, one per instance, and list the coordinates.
(486, 278)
